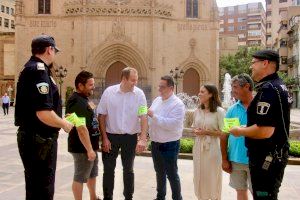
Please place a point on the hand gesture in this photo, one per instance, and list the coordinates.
(91, 155)
(67, 126)
(150, 113)
(106, 145)
(141, 146)
(226, 166)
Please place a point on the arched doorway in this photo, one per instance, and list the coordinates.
(113, 74)
(191, 82)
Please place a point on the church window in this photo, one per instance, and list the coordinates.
(44, 6)
(192, 8)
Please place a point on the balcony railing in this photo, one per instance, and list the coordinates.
(293, 39)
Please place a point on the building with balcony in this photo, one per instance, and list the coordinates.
(293, 70)
(246, 21)
(228, 44)
(7, 18)
(275, 11)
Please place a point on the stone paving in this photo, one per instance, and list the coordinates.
(12, 178)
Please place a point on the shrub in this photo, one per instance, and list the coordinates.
(69, 91)
(294, 148)
(186, 145)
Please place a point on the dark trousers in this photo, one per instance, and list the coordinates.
(127, 144)
(164, 157)
(5, 107)
(266, 183)
(39, 174)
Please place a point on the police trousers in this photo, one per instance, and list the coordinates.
(266, 183)
(39, 173)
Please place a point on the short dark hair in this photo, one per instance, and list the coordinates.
(126, 72)
(41, 42)
(214, 101)
(82, 78)
(243, 79)
(169, 79)
(40, 50)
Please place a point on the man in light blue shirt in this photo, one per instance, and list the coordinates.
(5, 103)
(234, 152)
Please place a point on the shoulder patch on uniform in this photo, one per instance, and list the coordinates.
(40, 66)
(43, 88)
(284, 88)
(262, 108)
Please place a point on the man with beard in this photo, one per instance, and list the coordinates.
(83, 141)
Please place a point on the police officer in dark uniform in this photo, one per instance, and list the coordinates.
(38, 114)
(267, 130)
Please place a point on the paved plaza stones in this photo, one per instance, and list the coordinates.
(12, 179)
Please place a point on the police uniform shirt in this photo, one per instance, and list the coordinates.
(265, 110)
(36, 91)
(80, 105)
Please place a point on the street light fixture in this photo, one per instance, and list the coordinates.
(176, 74)
(61, 73)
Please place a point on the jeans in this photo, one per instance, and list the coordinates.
(164, 157)
(5, 107)
(127, 144)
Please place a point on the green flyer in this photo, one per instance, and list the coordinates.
(142, 110)
(229, 123)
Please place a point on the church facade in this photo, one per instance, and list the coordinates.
(104, 36)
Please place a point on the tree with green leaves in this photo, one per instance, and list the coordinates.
(238, 63)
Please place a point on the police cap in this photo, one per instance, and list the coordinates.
(43, 41)
(267, 55)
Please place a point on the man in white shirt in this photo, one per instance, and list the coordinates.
(121, 119)
(166, 116)
(5, 103)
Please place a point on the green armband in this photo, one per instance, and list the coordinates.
(143, 110)
(72, 118)
(80, 122)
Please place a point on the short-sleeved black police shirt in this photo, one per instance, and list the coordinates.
(80, 105)
(36, 91)
(269, 107)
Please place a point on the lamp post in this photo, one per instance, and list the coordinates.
(61, 73)
(176, 74)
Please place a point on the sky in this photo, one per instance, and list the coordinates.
(223, 3)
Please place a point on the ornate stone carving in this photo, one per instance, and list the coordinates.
(118, 31)
(118, 8)
(118, 2)
(19, 7)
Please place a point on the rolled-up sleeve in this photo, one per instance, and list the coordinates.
(102, 106)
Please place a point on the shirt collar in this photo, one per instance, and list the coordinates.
(239, 103)
(168, 99)
(267, 78)
(120, 91)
